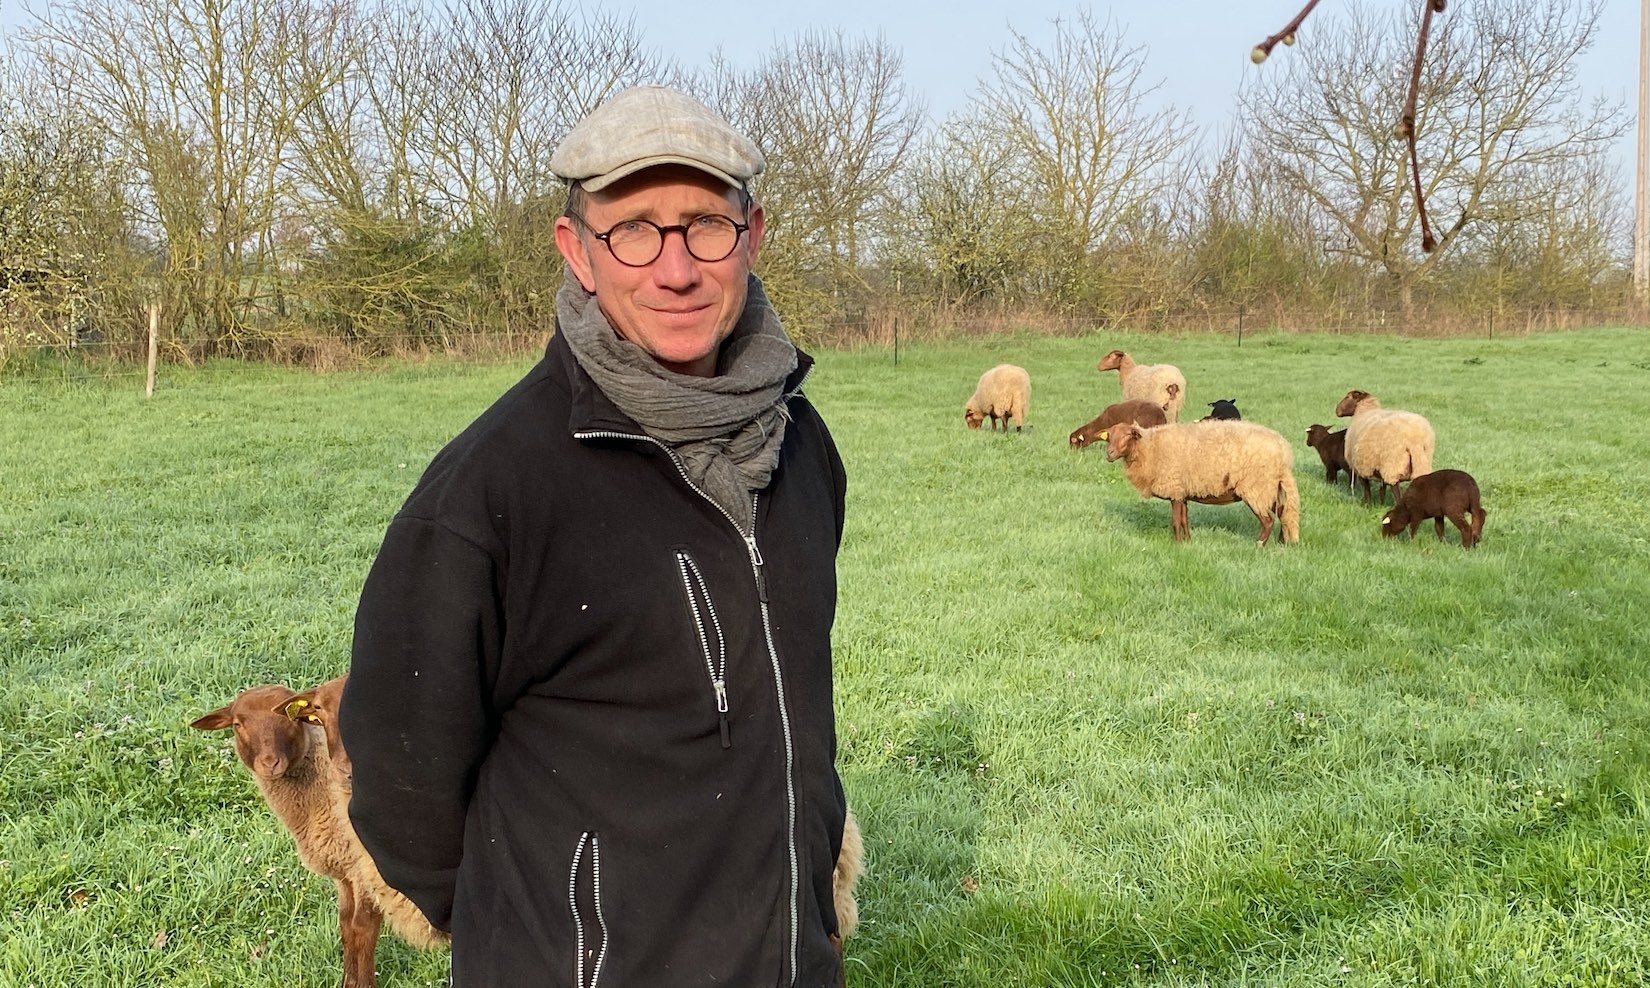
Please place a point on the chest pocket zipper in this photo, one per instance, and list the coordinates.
(711, 642)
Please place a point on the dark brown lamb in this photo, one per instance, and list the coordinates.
(1331, 447)
(1441, 494)
(1140, 411)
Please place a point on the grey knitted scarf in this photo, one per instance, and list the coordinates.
(727, 429)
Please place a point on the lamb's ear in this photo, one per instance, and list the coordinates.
(217, 720)
(300, 708)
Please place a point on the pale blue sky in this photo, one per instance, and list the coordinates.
(1197, 49)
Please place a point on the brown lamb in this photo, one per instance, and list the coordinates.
(289, 761)
(1331, 447)
(1140, 411)
(1441, 494)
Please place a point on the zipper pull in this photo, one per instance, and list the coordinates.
(722, 710)
(761, 575)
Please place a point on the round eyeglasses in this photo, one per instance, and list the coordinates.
(638, 243)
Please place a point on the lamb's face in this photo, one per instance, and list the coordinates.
(1394, 521)
(1079, 439)
(266, 740)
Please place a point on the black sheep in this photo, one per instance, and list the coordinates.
(1224, 408)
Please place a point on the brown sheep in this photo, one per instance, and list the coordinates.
(1162, 384)
(1137, 410)
(1212, 462)
(1451, 494)
(289, 762)
(319, 706)
(1331, 447)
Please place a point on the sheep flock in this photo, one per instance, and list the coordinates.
(1223, 458)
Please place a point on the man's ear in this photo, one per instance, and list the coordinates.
(758, 224)
(573, 251)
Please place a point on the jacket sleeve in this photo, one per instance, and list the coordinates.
(414, 714)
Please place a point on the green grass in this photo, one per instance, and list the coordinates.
(1082, 755)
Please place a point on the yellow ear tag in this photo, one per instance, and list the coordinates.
(295, 708)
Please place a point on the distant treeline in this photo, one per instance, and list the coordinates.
(373, 175)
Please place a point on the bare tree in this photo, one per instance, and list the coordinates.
(1498, 106)
(202, 98)
(1094, 153)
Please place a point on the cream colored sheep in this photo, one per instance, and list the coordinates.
(1213, 461)
(289, 762)
(1160, 384)
(1004, 392)
(1384, 444)
(319, 706)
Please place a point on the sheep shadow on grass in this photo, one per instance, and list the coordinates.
(1153, 517)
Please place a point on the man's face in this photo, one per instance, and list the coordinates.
(678, 308)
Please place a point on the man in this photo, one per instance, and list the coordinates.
(589, 703)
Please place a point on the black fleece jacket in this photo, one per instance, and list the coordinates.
(591, 721)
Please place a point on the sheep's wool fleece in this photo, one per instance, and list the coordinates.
(726, 429)
(1198, 459)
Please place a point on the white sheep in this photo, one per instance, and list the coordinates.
(1384, 444)
(1213, 461)
(1160, 384)
(1004, 392)
(289, 762)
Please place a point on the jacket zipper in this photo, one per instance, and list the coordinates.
(595, 957)
(773, 654)
(716, 664)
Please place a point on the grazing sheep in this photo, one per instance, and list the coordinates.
(1451, 494)
(1160, 384)
(1225, 409)
(319, 706)
(1213, 462)
(289, 762)
(1384, 444)
(1331, 447)
(850, 864)
(1136, 410)
(1004, 392)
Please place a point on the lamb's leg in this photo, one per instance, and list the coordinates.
(1463, 523)
(358, 924)
(1438, 526)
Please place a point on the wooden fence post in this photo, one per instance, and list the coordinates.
(154, 347)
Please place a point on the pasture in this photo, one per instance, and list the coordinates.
(1082, 755)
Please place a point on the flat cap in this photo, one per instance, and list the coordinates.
(645, 126)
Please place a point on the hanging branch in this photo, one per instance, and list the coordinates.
(1405, 128)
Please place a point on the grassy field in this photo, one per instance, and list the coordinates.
(1083, 755)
